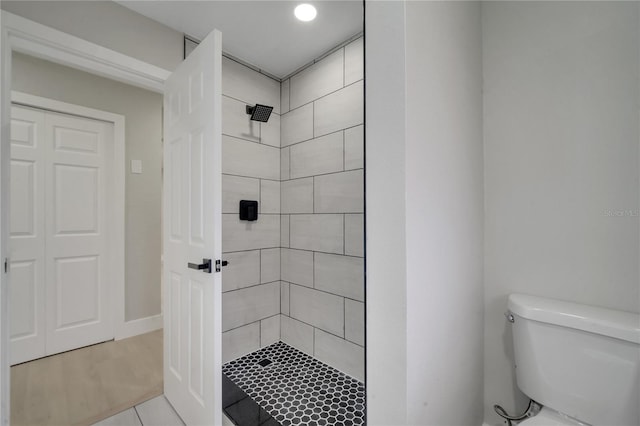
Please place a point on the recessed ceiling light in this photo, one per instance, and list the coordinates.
(305, 12)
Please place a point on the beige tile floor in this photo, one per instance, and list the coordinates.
(89, 384)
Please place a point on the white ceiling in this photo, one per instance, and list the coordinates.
(263, 33)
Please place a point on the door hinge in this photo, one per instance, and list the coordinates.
(6, 265)
(220, 264)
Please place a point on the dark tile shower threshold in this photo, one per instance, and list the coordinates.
(279, 385)
(241, 408)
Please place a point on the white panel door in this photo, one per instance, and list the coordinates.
(192, 217)
(60, 167)
(27, 237)
(79, 311)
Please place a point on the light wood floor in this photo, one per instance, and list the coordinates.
(89, 384)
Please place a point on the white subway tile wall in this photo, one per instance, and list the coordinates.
(236, 188)
(344, 355)
(297, 196)
(246, 85)
(297, 334)
(242, 271)
(240, 341)
(320, 79)
(339, 110)
(269, 330)
(250, 304)
(296, 274)
(269, 197)
(317, 156)
(354, 62)
(297, 267)
(354, 148)
(251, 171)
(270, 265)
(297, 125)
(339, 192)
(354, 321)
(322, 205)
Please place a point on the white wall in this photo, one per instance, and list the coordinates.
(424, 194)
(561, 152)
(444, 213)
(107, 24)
(386, 281)
(143, 133)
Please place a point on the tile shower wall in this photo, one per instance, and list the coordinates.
(251, 171)
(322, 206)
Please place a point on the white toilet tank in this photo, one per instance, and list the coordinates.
(580, 360)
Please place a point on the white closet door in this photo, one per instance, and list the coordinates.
(78, 307)
(60, 178)
(27, 238)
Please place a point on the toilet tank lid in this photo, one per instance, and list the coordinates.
(608, 322)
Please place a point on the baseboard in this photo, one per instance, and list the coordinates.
(138, 326)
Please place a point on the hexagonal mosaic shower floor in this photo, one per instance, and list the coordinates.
(297, 389)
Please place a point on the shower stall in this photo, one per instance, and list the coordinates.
(293, 298)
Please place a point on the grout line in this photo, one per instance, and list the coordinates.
(328, 173)
(250, 286)
(325, 292)
(313, 119)
(313, 214)
(138, 414)
(313, 194)
(298, 249)
(324, 55)
(344, 319)
(325, 95)
(247, 103)
(249, 177)
(252, 322)
(313, 270)
(289, 163)
(344, 234)
(251, 67)
(289, 94)
(344, 65)
(344, 150)
(314, 138)
(260, 266)
(321, 329)
(236, 137)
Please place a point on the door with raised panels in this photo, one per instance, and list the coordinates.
(60, 285)
(27, 237)
(192, 217)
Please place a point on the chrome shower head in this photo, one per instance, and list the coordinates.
(259, 112)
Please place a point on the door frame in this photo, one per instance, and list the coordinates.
(29, 37)
(115, 197)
